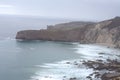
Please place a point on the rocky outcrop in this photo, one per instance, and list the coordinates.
(109, 70)
(105, 32)
(111, 76)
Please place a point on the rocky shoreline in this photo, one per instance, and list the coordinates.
(105, 33)
(109, 70)
(100, 64)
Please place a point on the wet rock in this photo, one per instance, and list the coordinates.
(74, 78)
(111, 76)
(67, 62)
(101, 53)
(112, 66)
(89, 77)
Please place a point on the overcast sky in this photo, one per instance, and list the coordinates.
(71, 9)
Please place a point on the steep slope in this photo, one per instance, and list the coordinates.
(105, 32)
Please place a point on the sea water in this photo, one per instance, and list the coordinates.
(47, 60)
(44, 60)
(19, 60)
(67, 69)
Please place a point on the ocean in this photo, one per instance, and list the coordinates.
(46, 60)
(19, 60)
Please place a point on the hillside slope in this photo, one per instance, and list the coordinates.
(105, 32)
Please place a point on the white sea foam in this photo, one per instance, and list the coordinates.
(64, 70)
(93, 52)
(61, 70)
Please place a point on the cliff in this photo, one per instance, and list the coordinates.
(105, 32)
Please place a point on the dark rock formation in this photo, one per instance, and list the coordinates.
(105, 32)
(113, 66)
(111, 76)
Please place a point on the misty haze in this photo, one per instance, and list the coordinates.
(59, 40)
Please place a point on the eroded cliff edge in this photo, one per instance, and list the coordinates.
(105, 32)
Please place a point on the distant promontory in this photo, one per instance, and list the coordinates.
(106, 32)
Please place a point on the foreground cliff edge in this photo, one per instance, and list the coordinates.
(105, 32)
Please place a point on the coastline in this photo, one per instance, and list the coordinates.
(105, 32)
(103, 59)
(95, 64)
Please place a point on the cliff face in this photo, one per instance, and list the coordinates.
(106, 32)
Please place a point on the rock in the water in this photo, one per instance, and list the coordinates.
(111, 76)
